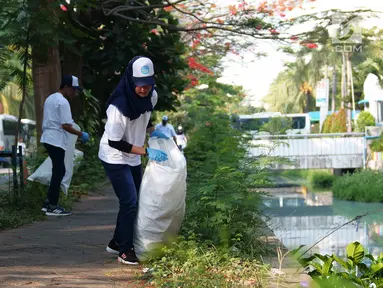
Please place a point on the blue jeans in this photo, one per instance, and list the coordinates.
(57, 156)
(126, 182)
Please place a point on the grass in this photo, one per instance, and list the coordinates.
(24, 209)
(315, 180)
(362, 186)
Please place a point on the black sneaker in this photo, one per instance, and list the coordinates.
(45, 206)
(58, 211)
(113, 247)
(128, 258)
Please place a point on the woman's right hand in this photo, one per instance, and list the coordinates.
(156, 155)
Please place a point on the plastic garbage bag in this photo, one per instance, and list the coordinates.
(161, 204)
(72, 158)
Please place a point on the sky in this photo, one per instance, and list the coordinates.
(256, 74)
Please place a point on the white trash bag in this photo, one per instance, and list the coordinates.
(72, 158)
(161, 205)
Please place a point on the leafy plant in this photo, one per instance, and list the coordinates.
(327, 124)
(363, 186)
(377, 144)
(365, 118)
(358, 267)
(338, 124)
(321, 179)
(278, 125)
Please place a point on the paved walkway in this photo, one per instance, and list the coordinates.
(66, 251)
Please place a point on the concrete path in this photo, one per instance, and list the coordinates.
(67, 251)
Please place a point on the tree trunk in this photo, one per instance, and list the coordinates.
(46, 73)
(308, 102)
(348, 89)
(73, 64)
(333, 93)
(343, 81)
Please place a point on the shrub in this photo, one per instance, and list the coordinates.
(338, 123)
(327, 124)
(363, 186)
(365, 118)
(321, 179)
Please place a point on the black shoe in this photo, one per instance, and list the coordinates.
(58, 211)
(45, 206)
(113, 247)
(128, 258)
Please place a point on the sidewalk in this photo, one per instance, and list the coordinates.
(66, 251)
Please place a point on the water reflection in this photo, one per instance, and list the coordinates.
(300, 217)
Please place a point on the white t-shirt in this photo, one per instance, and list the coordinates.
(181, 140)
(56, 112)
(118, 127)
(167, 130)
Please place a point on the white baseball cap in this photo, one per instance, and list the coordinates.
(70, 81)
(143, 72)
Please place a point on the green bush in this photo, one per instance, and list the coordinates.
(189, 264)
(365, 118)
(377, 144)
(327, 124)
(363, 186)
(338, 123)
(321, 179)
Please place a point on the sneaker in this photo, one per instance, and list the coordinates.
(113, 247)
(45, 206)
(58, 211)
(128, 258)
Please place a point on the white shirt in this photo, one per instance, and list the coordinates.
(181, 140)
(118, 127)
(56, 112)
(167, 130)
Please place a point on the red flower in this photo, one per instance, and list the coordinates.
(154, 31)
(63, 8)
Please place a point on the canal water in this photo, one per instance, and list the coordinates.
(300, 217)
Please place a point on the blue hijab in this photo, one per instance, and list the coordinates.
(125, 98)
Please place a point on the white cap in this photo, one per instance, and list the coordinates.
(70, 81)
(143, 72)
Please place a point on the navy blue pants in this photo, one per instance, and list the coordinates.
(126, 182)
(57, 156)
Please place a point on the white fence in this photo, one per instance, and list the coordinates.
(314, 151)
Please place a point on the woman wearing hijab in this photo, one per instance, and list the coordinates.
(128, 110)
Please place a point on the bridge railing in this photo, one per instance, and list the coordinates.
(317, 150)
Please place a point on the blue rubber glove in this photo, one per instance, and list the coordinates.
(159, 134)
(156, 155)
(84, 137)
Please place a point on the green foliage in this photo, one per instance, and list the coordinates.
(189, 264)
(278, 125)
(327, 124)
(359, 268)
(363, 186)
(321, 179)
(365, 118)
(90, 104)
(377, 144)
(338, 123)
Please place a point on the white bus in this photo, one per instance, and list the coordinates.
(8, 127)
(255, 123)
